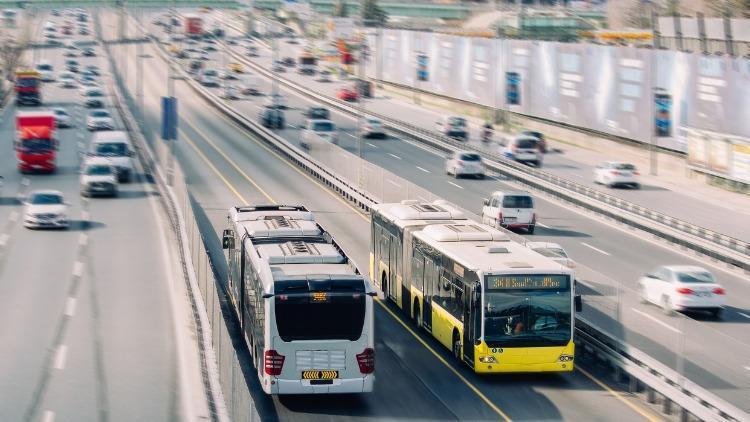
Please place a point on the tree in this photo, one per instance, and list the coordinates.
(339, 9)
(373, 14)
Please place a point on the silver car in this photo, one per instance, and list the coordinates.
(464, 163)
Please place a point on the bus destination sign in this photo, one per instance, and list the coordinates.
(527, 281)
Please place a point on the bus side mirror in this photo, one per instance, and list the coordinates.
(578, 303)
(227, 239)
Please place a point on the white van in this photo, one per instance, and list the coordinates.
(320, 130)
(524, 149)
(115, 145)
(511, 209)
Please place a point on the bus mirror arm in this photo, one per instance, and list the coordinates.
(226, 239)
(373, 294)
(578, 303)
(267, 295)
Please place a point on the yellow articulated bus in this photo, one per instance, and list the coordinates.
(498, 305)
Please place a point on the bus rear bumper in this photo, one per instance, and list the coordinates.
(338, 386)
(524, 367)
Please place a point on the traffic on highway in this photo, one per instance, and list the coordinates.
(232, 217)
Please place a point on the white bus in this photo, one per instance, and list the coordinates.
(496, 304)
(305, 310)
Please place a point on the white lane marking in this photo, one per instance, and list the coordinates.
(60, 355)
(542, 225)
(744, 315)
(656, 320)
(351, 134)
(13, 216)
(70, 306)
(594, 248)
(424, 170)
(78, 269)
(394, 156)
(393, 183)
(4, 239)
(747, 367)
(292, 126)
(25, 181)
(49, 416)
(83, 239)
(85, 215)
(458, 186)
(372, 145)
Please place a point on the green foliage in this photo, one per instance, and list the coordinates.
(373, 14)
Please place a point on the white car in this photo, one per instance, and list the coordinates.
(115, 146)
(100, 119)
(510, 209)
(324, 76)
(62, 117)
(524, 149)
(318, 130)
(464, 163)
(231, 92)
(45, 209)
(553, 251)
(98, 177)
(275, 100)
(209, 77)
(682, 288)
(373, 128)
(46, 71)
(67, 80)
(615, 173)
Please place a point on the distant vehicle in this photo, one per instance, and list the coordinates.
(292, 40)
(83, 31)
(287, 61)
(99, 120)
(193, 26)
(324, 76)
(308, 64)
(88, 52)
(35, 145)
(251, 51)
(318, 113)
(552, 251)
(195, 66)
(45, 209)
(209, 77)
(373, 128)
(615, 173)
(28, 87)
(70, 51)
(315, 333)
(228, 75)
(276, 100)
(511, 210)
(93, 97)
(62, 118)
(231, 92)
(278, 68)
(209, 47)
(539, 136)
(67, 80)
(93, 69)
(218, 33)
(271, 117)
(46, 71)
(464, 163)
(249, 85)
(454, 127)
(524, 149)
(682, 288)
(88, 81)
(115, 146)
(72, 65)
(98, 177)
(236, 67)
(55, 12)
(346, 94)
(316, 130)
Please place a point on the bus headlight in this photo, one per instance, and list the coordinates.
(565, 358)
(487, 359)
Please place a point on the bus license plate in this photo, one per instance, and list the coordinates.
(320, 375)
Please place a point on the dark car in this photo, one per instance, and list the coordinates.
(271, 117)
(195, 66)
(72, 65)
(539, 136)
(89, 52)
(321, 113)
(288, 61)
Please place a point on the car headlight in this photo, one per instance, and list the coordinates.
(487, 359)
(565, 358)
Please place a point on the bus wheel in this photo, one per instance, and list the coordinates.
(456, 345)
(384, 286)
(416, 315)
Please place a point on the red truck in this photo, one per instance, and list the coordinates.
(193, 26)
(28, 87)
(36, 146)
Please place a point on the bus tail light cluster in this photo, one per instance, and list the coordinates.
(565, 358)
(273, 362)
(487, 359)
(366, 361)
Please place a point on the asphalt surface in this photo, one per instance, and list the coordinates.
(609, 257)
(88, 328)
(417, 379)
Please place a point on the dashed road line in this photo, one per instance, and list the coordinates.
(424, 170)
(595, 248)
(542, 225)
(744, 315)
(70, 307)
(49, 416)
(83, 239)
(373, 145)
(60, 355)
(13, 217)
(394, 156)
(4, 239)
(78, 269)
(656, 320)
(458, 186)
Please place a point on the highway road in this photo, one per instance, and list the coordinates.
(612, 256)
(89, 332)
(723, 218)
(417, 379)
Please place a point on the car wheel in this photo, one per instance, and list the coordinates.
(666, 306)
(530, 230)
(636, 186)
(456, 346)
(480, 176)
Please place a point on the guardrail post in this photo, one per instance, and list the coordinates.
(684, 415)
(650, 395)
(633, 387)
(667, 406)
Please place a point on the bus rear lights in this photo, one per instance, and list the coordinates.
(366, 361)
(273, 362)
(487, 359)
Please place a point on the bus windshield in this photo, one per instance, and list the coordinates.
(320, 315)
(527, 311)
(23, 82)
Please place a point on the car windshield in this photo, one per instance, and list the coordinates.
(457, 121)
(210, 73)
(93, 92)
(526, 143)
(695, 277)
(111, 149)
(516, 316)
(518, 201)
(624, 167)
(323, 127)
(470, 157)
(101, 113)
(551, 252)
(44, 67)
(72, 62)
(46, 199)
(98, 170)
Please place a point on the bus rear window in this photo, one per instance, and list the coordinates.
(320, 316)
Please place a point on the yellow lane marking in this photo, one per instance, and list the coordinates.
(619, 396)
(444, 362)
(215, 170)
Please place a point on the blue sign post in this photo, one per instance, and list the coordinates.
(422, 73)
(169, 118)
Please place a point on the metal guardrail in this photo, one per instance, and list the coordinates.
(640, 368)
(717, 246)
